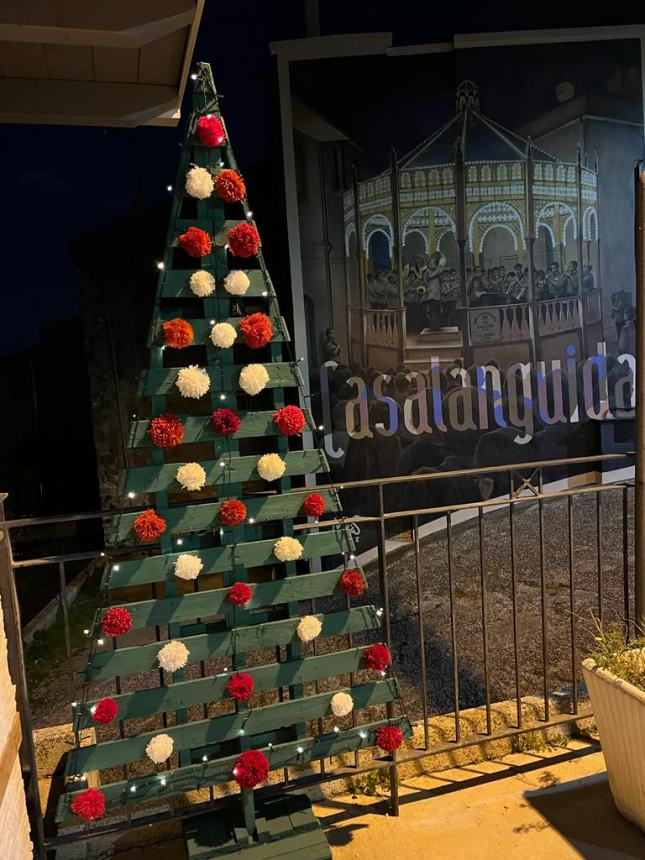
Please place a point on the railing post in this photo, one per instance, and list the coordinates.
(639, 511)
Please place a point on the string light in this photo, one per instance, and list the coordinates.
(249, 214)
(241, 732)
(74, 704)
(265, 293)
(300, 750)
(168, 187)
(133, 788)
(160, 266)
(100, 641)
(86, 632)
(222, 397)
(204, 758)
(251, 521)
(193, 77)
(362, 735)
(336, 729)
(163, 780)
(131, 495)
(92, 709)
(116, 567)
(222, 463)
(180, 541)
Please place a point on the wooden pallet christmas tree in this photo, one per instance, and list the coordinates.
(227, 578)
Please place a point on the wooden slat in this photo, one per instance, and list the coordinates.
(202, 329)
(174, 285)
(226, 469)
(161, 380)
(182, 224)
(191, 777)
(250, 722)
(159, 568)
(206, 646)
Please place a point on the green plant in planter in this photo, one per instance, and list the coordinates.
(619, 655)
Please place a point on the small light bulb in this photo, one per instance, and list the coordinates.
(321, 426)
(222, 397)
(74, 704)
(102, 555)
(163, 347)
(270, 745)
(93, 709)
(300, 750)
(160, 266)
(193, 77)
(204, 758)
(212, 322)
(352, 557)
(86, 632)
(241, 731)
(249, 214)
(168, 187)
(131, 495)
(336, 729)
(133, 788)
(226, 247)
(180, 541)
(265, 293)
(100, 641)
(251, 521)
(222, 463)
(116, 567)
(235, 771)
(163, 780)
(362, 735)
(221, 532)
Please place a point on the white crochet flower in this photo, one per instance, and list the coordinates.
(160, 748)
(287, 549)
(271, 467)
(191, 476)
(236, 282)
(223, 335)
(173, 656)
(253, 378)
(188, 566)
(193, 382)
(199, 183)
(341, 704)
(202, 283)
(308, 628)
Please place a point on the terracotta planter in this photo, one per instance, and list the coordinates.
(619, 711)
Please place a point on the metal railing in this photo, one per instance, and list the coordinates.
(438, 573)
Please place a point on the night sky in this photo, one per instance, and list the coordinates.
(60, 182)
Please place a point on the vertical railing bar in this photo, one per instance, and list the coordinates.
(545, 650)
(453, 626)
(598, 559)
(422, 644)
(68, 634)
(572, 608)
(628, 626)
(482, 582)
(516, 656)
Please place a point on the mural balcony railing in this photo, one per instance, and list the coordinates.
(500, 323)
(557, 315)
(382, 326)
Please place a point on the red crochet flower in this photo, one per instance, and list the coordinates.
(210, 131)
(251, 768)
(225, 422)
(289, 420)
(352, 583)
(232, 513)
(257, 330)
(116, 621)
(196, 242)
(89, 804)
(177, 333)
(239, 594)
(378, 657)
(166, 431)
(149, 525)
(230, 186)
(105, 711)
(240, 686)
(389, 738)
(314, 505)
(243, 240)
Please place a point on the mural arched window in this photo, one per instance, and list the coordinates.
(502, 171)
(486, 173)
(378, 251)
(472, 173)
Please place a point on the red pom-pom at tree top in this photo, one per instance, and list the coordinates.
(257, 330)
(89, 805)
(239, 594)
(314, 505)
(389, 738)
(105, 711)
(230, 186)
(166, 431)
(225, 422)
(352, 583)
(240, 686)
(149, 525)
(177, 333)
(210, 131)
(196, 242)
(243, 240)
(116, 621)
(232, 512)
(289, 420)
(378, 657)
(251, 768)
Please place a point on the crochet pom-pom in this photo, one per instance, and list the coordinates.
(202, 283)
(236, 282)
(192, 381)
(225, 422)
(210, 131)
(271, 467)
(251, 768)
(289, 420)
(166, 431)
(378, 657)
(173, 656)
(148, 526)
(253, 378)
(116, 621)
(308, 628)
(177, 333)
(243, 240)
(314, 505)
(232, 512)
(199, 183)
(188, 566)
(287, 549)
(223, 335)
(191, 476)
(341, 704)
(352, 583)
(195, 242)
(257, 330)
(389, 738)
(89, 805)
(239, 594)
(240, 686)
(160, 748)
(230, 186)
(104, 711)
